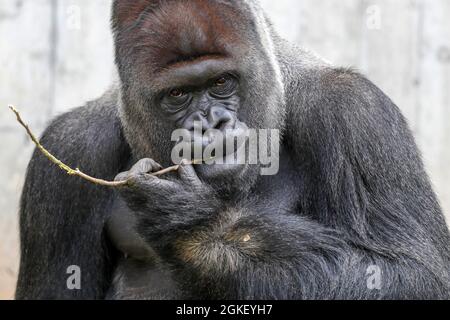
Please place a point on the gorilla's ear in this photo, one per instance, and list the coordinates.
(126, 12)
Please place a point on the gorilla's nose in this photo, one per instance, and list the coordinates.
(221, 119)
(217, 118)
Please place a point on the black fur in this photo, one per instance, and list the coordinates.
(352, 192)
(62, 219)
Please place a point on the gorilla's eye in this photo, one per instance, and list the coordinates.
(221, 82)
(176, 99)
(177, 93)
(177, 96)
(224, 86)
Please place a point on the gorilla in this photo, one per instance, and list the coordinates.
(351, 213)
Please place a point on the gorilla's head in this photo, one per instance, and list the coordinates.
(182, 63)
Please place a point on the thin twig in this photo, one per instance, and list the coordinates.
(78, 172)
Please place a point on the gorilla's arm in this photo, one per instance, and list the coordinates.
(363, 172)
(364, 177)
(62, 217)
(260, 255)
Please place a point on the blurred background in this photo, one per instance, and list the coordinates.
(57, 54)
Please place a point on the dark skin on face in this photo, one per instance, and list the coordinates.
(214, 103)
(203, 93)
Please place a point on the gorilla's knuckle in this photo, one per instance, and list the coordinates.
(145, 165)
(147, 161)
(140, 177)
(123, 176)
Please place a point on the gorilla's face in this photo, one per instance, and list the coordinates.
(185, 63)
(205, 103)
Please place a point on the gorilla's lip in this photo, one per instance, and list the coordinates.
(225, 160)
(229, 154)
(215, 138)
(217, 148)
(228, 164)
(212, 171)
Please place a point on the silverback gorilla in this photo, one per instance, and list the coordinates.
(351, 194)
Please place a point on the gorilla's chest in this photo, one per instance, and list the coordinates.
(142, 280)
(139, 274)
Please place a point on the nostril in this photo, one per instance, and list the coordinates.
(222, 124)
(220, 119)
(196, 122)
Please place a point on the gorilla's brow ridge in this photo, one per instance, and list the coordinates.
(194, 58)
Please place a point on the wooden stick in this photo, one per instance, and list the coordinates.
(77, 171)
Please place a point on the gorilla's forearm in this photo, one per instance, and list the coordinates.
(250, 255)
(255, 256)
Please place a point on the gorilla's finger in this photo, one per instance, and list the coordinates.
(145, 166)
(122, 176)
(188, 175)
(149, 182)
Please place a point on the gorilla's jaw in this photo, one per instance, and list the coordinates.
(229, 180)
(229, 167)
(234, 177)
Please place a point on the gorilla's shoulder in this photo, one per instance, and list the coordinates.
(313, 82)
(88, 137)
(305, 72)
(346, 89)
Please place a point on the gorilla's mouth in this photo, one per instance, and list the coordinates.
(224, 144)
(217, 151)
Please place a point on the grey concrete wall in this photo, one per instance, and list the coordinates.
(56, 54)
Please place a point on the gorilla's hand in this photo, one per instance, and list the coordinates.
(166, 207)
